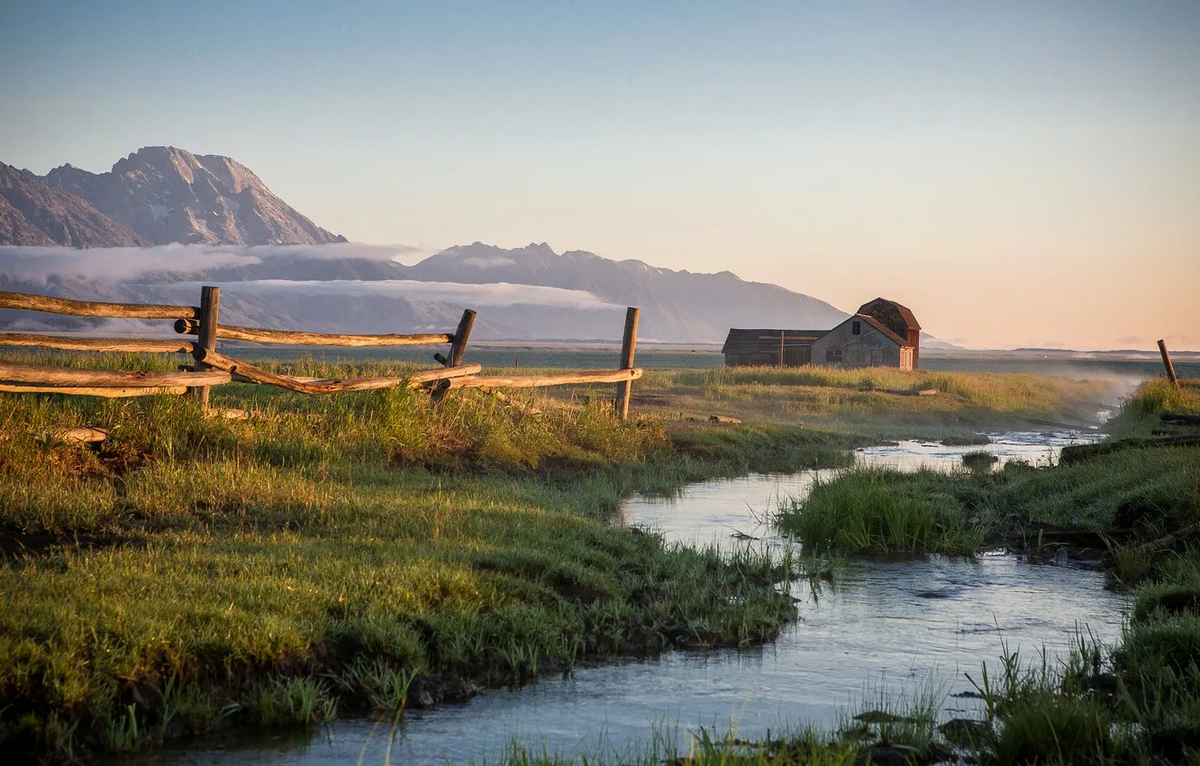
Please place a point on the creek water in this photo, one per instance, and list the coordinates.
(883, 631)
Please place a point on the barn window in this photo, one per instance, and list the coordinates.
(856, 327)
(833, 355)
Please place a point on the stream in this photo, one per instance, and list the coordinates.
(884, 631)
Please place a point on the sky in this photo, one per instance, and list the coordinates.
(1019, 173)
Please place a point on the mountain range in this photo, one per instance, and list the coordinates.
(156, 196)
(220, 224)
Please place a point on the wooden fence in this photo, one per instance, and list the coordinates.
(213, 368)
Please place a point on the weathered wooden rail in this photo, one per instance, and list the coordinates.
(213, 368)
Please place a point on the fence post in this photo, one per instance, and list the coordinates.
(461, 335)
(628, 346)
(210, 303)
(1162, 349)
(458, 347)
(781, 332)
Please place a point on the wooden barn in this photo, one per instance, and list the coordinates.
(882, 333)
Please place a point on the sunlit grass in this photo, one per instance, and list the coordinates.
(865, 400)
(328, 553)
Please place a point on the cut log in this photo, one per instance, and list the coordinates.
(227, 413)
(80, 434)
(906, 392)
(540, 381)
(128, 345)
(287, 337)
(108, 392)
(1078, 453)
(49, 375)
(245, 370)
(45, 303)
(504, 398)
(1180, 418)
(1170, 540)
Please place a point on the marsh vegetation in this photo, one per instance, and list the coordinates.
(1138, 702)
(333, 555)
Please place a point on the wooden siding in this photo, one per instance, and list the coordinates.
(871, 347)
(761, 347)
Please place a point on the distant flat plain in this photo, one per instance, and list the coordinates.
(1130, 365)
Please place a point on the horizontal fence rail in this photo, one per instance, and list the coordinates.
(542, 381)
(309, 386)
(89, 309)
(69, 376)
(213, 368)
(110, 392)
(289, 337)
(128, 345)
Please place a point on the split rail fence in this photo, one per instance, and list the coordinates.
(201, 329)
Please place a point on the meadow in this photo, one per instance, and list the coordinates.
(335, 555)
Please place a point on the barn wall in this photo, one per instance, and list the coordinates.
(794, 355)
(870, 349)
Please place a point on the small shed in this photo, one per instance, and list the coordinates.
(763, 347)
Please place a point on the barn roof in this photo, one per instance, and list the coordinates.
(904, 312)
(741, 341)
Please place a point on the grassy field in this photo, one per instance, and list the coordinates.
(342, 553)
(338, 554)
(865, 401)
(1146, 492)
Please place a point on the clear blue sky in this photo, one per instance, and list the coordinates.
(1004, 168)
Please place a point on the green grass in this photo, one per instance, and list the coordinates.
(330, 553)
(858, 400)
(1138, 703)
(873, 509)
(1142, 493)
(862, 511)
(353, 552)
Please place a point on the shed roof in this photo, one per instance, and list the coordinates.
(740, 341)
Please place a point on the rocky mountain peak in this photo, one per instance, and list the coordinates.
(167, 194)
(34, 213)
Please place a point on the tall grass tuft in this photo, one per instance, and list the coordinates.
(862, 511)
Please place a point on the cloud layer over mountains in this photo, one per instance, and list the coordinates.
(524, 293)
(36, 264)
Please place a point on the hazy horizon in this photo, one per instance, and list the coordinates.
(1019, 174)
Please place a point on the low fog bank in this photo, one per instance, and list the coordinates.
(343, 287)
(57, 265)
